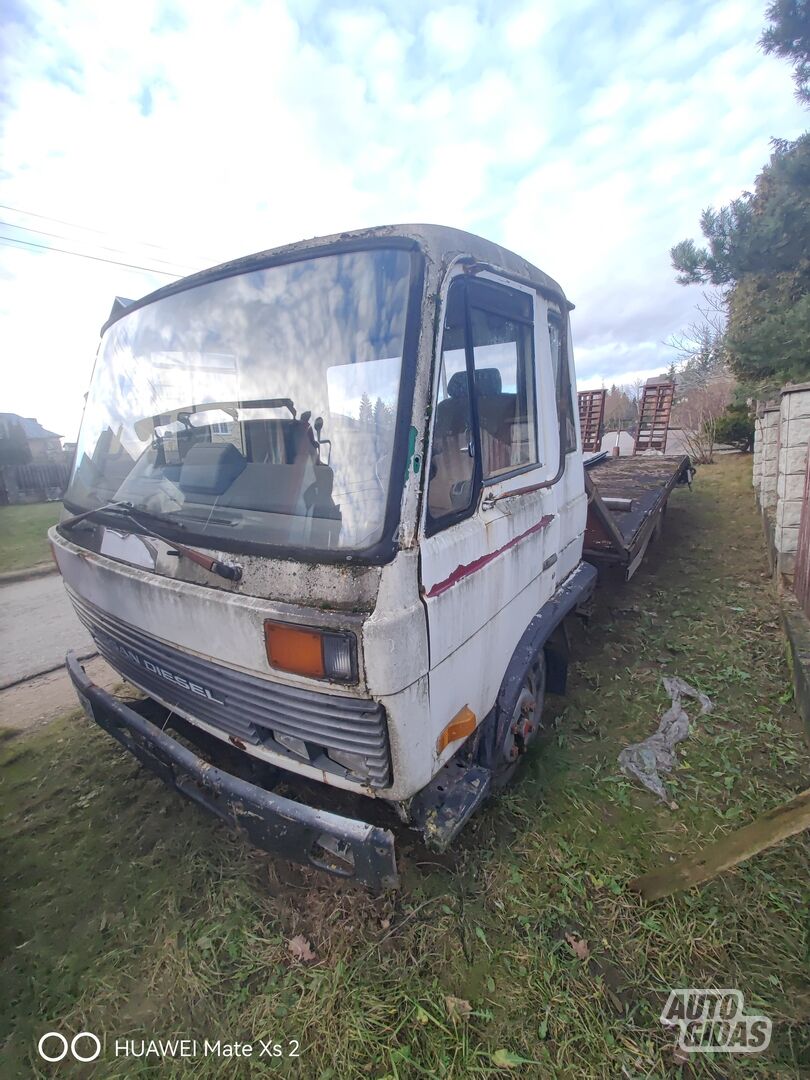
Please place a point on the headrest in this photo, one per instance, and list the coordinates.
(457, 387)
(487, 383)
(210, 468)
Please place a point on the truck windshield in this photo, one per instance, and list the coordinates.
(257, 408)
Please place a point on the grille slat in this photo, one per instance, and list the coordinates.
(246, 706)
(357, 710)
(229, 724)
(365, 740)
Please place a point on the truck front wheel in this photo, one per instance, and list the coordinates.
(516, 732)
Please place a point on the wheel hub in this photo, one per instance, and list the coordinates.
(522, 727)
(519, 731)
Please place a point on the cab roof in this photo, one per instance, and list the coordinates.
(440, 245)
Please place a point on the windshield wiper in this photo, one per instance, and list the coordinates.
(215, 566)
(124, 508)
(128, 510)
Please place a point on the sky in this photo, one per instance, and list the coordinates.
(585, 136)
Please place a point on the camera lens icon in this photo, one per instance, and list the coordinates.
(53, 1046)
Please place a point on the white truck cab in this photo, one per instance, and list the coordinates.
(327, 512)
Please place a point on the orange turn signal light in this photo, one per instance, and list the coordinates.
(462, 725)
(290, 648)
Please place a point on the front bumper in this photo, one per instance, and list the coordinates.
(339, 845)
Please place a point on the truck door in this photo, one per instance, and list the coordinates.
(487, 568)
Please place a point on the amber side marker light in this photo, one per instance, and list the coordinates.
(462, 724)
(319, 654)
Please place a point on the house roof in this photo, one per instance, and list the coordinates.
(32, 429)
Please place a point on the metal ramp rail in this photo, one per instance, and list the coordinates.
(591, 418)
(654, 414)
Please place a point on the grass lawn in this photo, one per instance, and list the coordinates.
(130, 913)
(23, 539)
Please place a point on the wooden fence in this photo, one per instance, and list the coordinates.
(33, 483)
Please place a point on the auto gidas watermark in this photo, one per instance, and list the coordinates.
(713, 1022)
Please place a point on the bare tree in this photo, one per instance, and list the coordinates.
(704, 383)
(619, 408)
(701, 347)
(698, 412)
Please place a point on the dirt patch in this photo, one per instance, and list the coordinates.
(31, 704)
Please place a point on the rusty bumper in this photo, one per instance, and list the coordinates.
(338, 845)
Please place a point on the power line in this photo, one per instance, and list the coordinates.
(103, 247)
(84, 228)
(45, 217)
(81, 255)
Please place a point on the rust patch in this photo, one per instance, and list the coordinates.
(465, 569)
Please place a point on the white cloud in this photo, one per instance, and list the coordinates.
(451, 34)
(525, 29)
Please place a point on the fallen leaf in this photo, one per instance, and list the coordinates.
(300, 949)
(615, 1000)
(579, 946)
(679, 1057)
(457, 1008)
(506, 1059)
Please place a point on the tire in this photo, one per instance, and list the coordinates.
(517, 732)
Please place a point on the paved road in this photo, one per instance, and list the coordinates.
(37, 627)
(37, 701)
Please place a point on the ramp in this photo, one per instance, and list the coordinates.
(591, 418)
(654, 414)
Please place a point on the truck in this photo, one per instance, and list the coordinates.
(330, 516)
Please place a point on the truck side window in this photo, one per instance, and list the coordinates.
(503, 351)
(562, 382)
(502, 326)
(452, 457)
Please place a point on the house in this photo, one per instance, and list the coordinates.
(24, 441)
(33, 465)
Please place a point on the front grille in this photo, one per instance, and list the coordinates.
(247, 707)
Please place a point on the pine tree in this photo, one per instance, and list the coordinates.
(757, 247)
(383, 415)
(757, 255)
(366, 414)
(788, 37)
(14, 449)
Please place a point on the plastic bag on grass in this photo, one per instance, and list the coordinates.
(645, 761)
